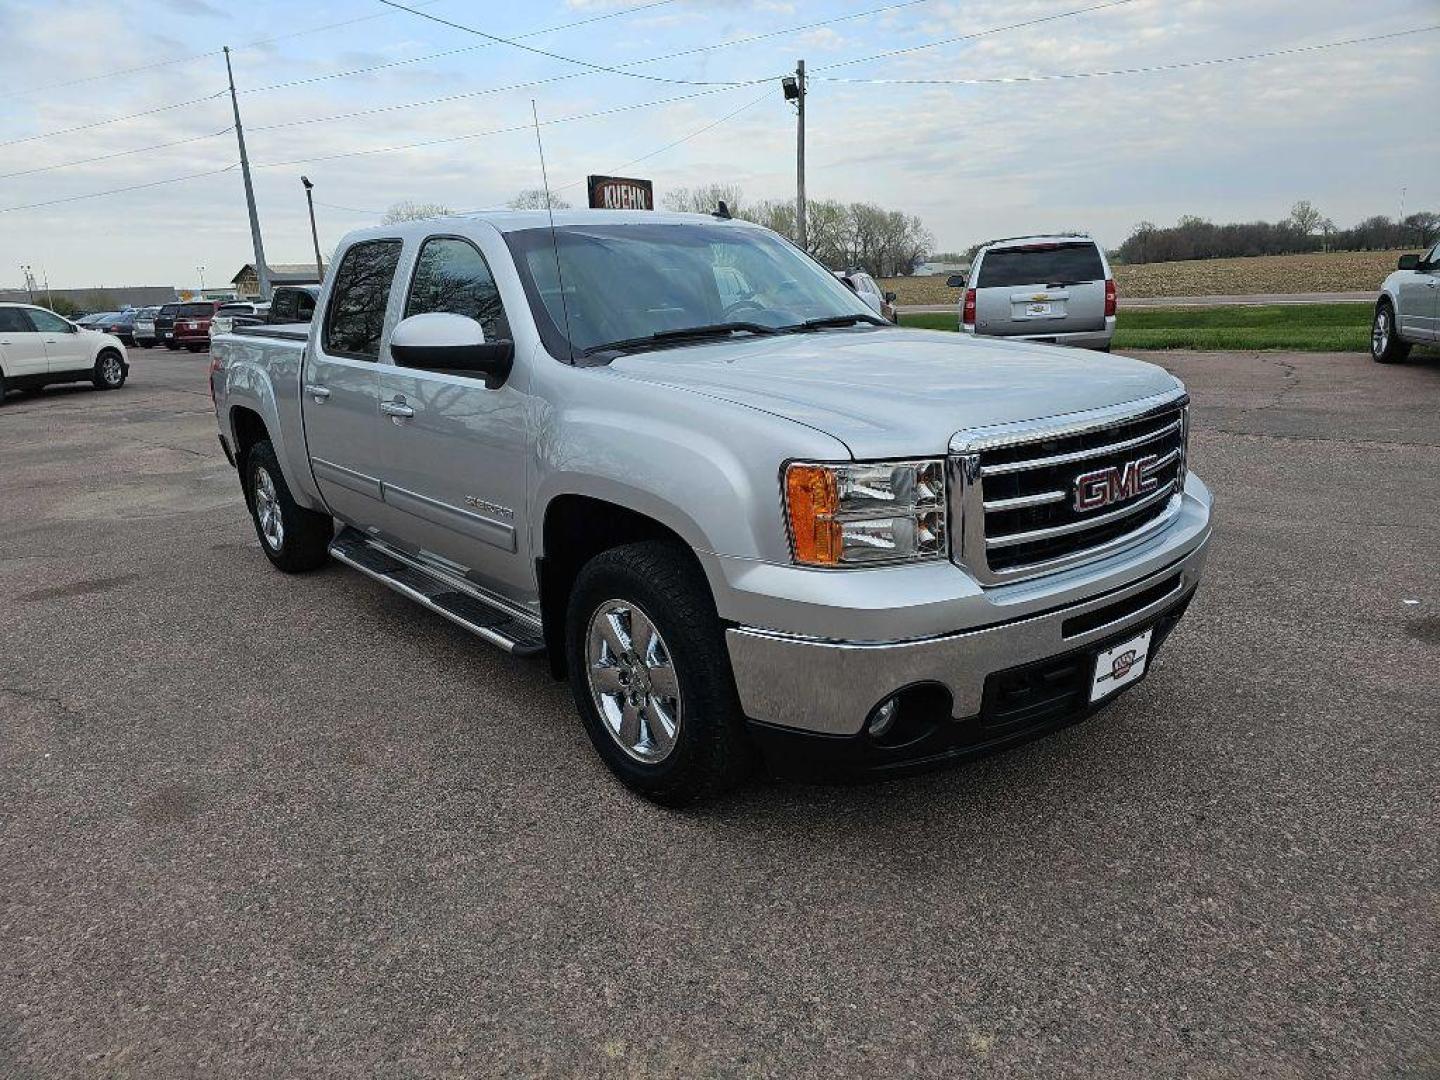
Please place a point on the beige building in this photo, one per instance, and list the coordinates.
(247, 281)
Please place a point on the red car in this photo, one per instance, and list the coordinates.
(192, 324)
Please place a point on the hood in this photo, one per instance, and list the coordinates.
(896, 392)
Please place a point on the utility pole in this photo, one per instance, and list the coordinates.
(800, 159)
(49, 299)
(29, 282)
(261, 270)
(794, 87)
(314, 236)
(201, 271)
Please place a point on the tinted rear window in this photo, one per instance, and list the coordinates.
(195, 311)
(1048, 264)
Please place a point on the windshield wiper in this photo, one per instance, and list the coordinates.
(687, 333)
(838, 320)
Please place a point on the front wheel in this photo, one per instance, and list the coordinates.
(1385, 344)
(650, 673)
(293, 538)
(109, 371)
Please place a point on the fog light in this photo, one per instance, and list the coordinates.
(882, 717)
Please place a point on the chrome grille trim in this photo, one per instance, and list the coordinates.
(970, 546)
(1011, 539)
(1080, 455)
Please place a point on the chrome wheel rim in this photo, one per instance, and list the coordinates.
(633, 681)
(110, 370)
(267, 509)
(1380, 337)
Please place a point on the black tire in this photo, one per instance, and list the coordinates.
(110, 370)
(3, 388)
(170, 343)
(195, 348)
(709, 751)
(302, 541)
(1385, 344)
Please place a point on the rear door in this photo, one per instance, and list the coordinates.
(455, 464)
(22, 347)
(341, 384)
(1042, 288)
(66, 349)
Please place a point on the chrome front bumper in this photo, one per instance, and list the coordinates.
(829, 687)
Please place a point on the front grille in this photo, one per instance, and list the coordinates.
(1036, 498)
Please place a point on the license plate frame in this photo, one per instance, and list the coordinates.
(1120, 665)
(1037, 308)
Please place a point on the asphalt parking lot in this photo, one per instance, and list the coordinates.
(257, 825)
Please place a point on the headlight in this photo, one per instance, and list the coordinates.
(866, 514)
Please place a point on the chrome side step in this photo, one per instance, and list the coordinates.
(514, 632)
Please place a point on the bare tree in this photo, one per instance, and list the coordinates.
(412, 211)
(537, 199)
(704, 199)
(1306, 218)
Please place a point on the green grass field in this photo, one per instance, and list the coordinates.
(1301, 327)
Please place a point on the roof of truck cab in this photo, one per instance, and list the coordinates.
(518, 220)
(1039, 238)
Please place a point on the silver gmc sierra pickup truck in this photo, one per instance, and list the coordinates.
(739, 511)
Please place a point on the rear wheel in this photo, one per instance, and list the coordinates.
(109, 371)
(1385, 344)
(650, 673)
(293, 538)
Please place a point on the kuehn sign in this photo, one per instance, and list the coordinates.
(621, 193)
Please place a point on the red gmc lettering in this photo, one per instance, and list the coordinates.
(1104, 487)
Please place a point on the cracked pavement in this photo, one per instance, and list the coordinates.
(253, 825)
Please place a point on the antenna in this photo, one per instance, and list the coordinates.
(554, 241)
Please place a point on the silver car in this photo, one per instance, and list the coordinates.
(1408, 311)
(1055, 289)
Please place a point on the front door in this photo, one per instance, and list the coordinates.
(22, 347)
(456, 464)
(65, 347)
(341, 384)
(1418, 295)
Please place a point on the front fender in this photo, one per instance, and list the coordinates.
(707, 470)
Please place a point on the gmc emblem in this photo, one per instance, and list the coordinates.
(1105, 487)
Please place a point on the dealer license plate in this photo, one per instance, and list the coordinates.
(1037, 309)
(1119, 666)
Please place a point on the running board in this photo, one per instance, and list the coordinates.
(517, 634)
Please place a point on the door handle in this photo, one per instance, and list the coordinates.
(397, 408)
(319, 393)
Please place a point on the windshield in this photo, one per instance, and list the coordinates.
(627, 283)
(1040, 264)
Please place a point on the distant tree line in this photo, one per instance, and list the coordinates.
(843, 236)
(1305, 230)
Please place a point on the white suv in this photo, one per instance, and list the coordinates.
(1041, 288)
(39, 347)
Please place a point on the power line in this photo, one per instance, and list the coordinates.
(197, 56)
(115, 119)
(494, 131)
(578, 74)
(454, 52)
(355, 113)
(118, 153)
(117, 191)
(971, 36)
(1148, 69)
(671, 145)
(553, 56)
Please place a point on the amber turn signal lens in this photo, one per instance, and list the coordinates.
(812, 498)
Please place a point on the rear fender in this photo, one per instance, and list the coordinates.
(264, 377)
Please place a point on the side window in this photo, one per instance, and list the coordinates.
(451, 275)
(13, 321)
(357, 303)
(304, 307)
(282, 307)
(47, 322)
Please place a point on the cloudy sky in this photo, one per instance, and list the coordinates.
(343, 90)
